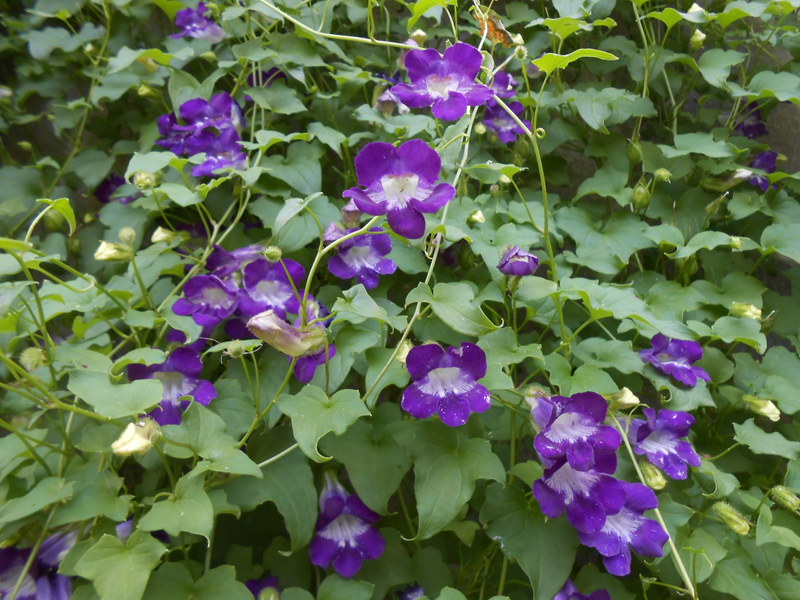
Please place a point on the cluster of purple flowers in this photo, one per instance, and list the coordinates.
(579, 455)
(42, 581)
(345, 535)
(195, 23)
(211, 127)
(752, 126)
(496, 118)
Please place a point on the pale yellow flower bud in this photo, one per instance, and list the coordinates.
(731, 517)
(741, 309)
(623, 400)
(137, 438)
(162, 234)
(697, 39)
(270, 328)
(763, 407)
(402, 353)
(109, 251)
(127, 235)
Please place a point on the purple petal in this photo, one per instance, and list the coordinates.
(416, 156)
(421, 360)
(373, 162)
(406, 222)
(441, 195)
(417, 403)
(451, 109)
(412, 96)
(364, 202)
(464, 60)
(421, 63)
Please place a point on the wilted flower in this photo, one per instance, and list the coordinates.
(180, 376)
(345, 534)
(570, 592)
(400, 183)
(628, 527)
(675, 357)
(445, 82)
(137, 438)
(196, 24)
(445, 382)
(660, 439)
(518, 263)
(292, 341)
(42, 580)
(207, 299)
(363, 256)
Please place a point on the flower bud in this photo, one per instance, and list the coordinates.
(54, 220)
(351, 215)
(32, 358)
(736, 242)
(419, 36)
(623, 400)
(479, 129)
(731, 517)
(697, 39)
(90, 49)
(653, 476)
(786, 498)
(272, 253)
(127, 235)
(634, 153)
(108, 251)
(520, 51)
(269, 593)
(144, 180)
(236, 349)
(687, 265)
(148, 63)
(25, 145)
(741, 309)
(763, 407)
(402, 353)
(209, 57)
(137, 438)
(476, 217)
(145, 91)
(663, 175)
(504, 179)
(162, 234)
(270, 328)
(695, 8)
(641, 197)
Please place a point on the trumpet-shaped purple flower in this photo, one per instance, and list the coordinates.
(445, 82)
(752, 125)
(675, 358)
(364, 257)
(572, 428)
(256, 586)
(224, 264)
(221, 112)
(222, 150)
(518, 263)
(267, 286)
(570, 592)
(306, 366)
(445, 382)
(42, 581)
(627, 529)
(196, 24)
(660, 439)
(767, 162)
(180, 376)
(345, 534)
(497, 119)
(588, 497)
(400, 183)
(207, 299)
(504, 85)
(172, 139)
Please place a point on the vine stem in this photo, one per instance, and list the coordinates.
(676, 557)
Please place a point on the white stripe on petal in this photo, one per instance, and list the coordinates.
(344, 530)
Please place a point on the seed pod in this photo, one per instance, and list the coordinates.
(653, 476)
(786, 498)
(731, 517)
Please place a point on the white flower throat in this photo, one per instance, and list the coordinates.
(440, 86)
(399, 189)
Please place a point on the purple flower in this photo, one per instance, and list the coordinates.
(412, 592)
(306, 366)
(659, 438)
(222, 150)
(180, 376)
(570, 592)
(767, 162)
(196, 24)
(223, 264)
(105, 191)
(400, 183)
(208, 299)
(675, 357)
(752, 125)
(504, 85)
(42, 581)
(445, 82)
(586, 496)
(498, 119)
(345, 536)
(173, 139)
(445, 382)
(516, 262)
(363, 257)
(221, 112)
(572, 428)
(267, 286)
(256, 586)
(628, 527)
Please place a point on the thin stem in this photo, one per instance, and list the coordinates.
(279, 455)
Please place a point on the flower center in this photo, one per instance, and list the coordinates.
(658, 442)
(344, 530)
(441, 86)
(274, 293)
(445, 381)
(622, 525)
(216, 297)
(399, 189)
(360, 257)
(569, 427)
(175, 384)
(571, 483)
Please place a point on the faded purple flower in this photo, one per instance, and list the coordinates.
(222, 150)
(572, 428)
(306, 366)
(518, 263)
(570, 592)
(180, 376)
(224, 264)
(267, 286)
(291, 340)
(752, 125)
(675, 358)
(42, 581)
(659, 438)
(445, 382)
(196, 24)
(445, 82)
(345, 535)
(364, 257)
(497, 119)
(256, 586)
(627, 529)
(767, 162)
(207, 299)
(400, 183)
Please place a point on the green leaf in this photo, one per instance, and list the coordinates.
(151, 162)
(783, 238)
(179, 194)
(183, 87)
(420, 7)
(174, 581)
(63, 207)
(46, 492)
(760, 442)
(453, 304)
(501, 346)
(189, 509)
(291, 208)
(715, 65)
(776, 377)
(697, 143)
(300, 167)
(277, 98)
(338, 588)
(735, 576)
(115, 401)
(96, 493)
(314, 414)
(332, 138)
(767, 532)
(495, 168)
(544, 549)
(119, 571)
(564, 27)
(705, 240)
(446, 466)
(375, 461)
(608, 354)
(783, 86)
(549, 62)
(357, 306)
(140, 356)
